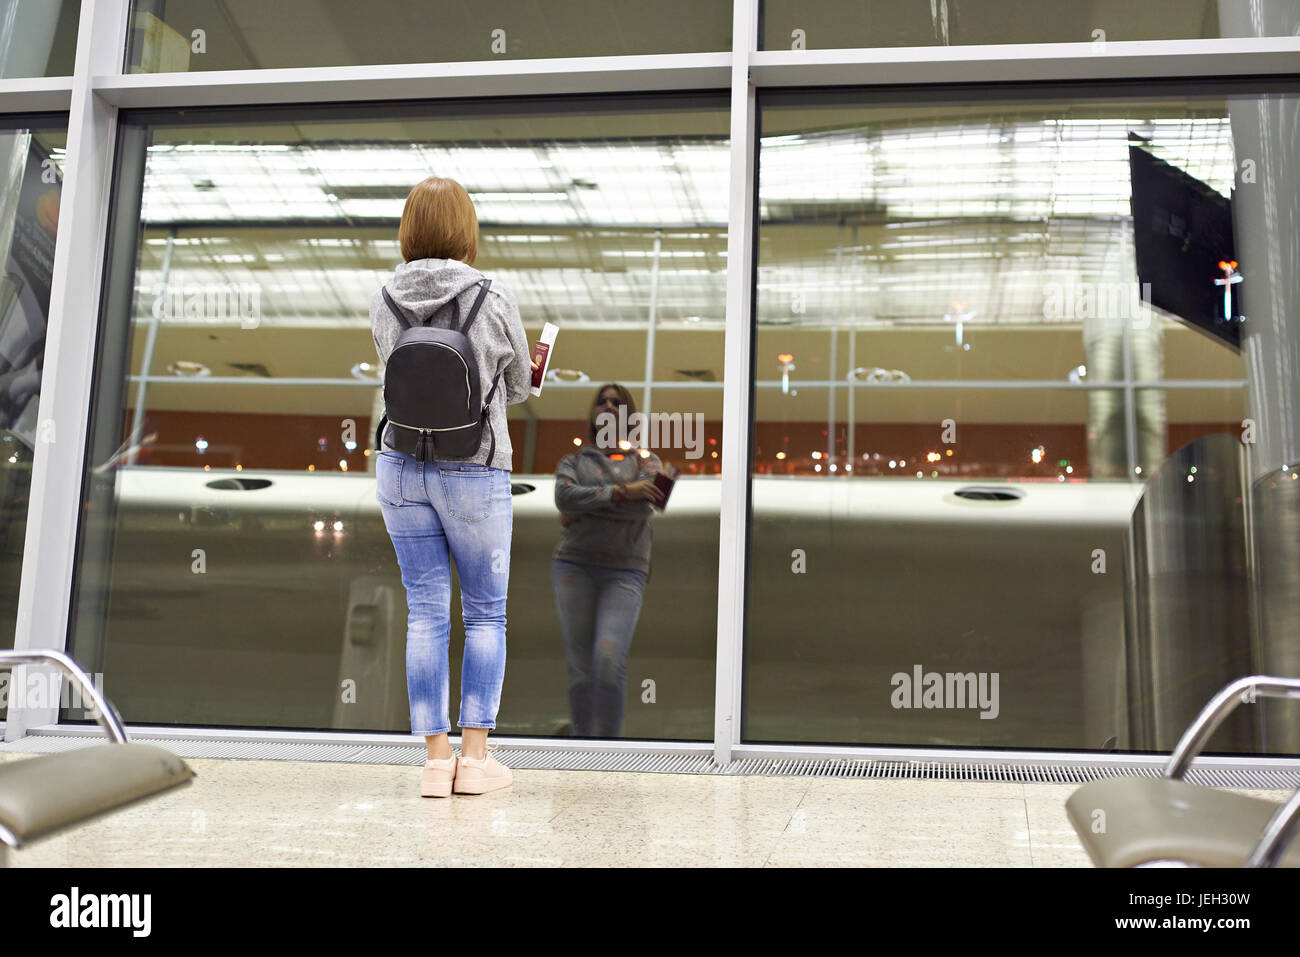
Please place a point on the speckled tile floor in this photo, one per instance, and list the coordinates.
(285, 814)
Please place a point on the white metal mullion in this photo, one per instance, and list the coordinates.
(736, 389)
(413, 81)
(1112, 60)
(36, 94)
(45, 588)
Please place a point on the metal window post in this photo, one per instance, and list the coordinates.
(736, 387)
(58, 466)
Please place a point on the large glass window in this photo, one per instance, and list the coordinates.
(173, 36)
(31, 164)
(234, 566)
(38, 37)
(823, 24)
(1019, 366)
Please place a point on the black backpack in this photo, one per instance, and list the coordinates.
(431, 388)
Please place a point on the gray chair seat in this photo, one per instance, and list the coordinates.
(1166, 819)
(41, 795)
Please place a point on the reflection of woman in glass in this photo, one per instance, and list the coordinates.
(604, 492)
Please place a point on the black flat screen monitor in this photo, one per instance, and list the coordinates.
(1182, 230)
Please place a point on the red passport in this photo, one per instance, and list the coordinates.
(665, 481)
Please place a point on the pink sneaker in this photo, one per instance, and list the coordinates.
(482, 775)
(438, 777)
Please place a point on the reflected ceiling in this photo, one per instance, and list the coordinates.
(882, 223)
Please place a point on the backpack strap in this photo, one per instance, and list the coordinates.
(487, 407)
(379, 433)
(395, 308)
(473, 310)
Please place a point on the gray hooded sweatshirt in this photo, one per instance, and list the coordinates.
(421, 287)
(604, 531)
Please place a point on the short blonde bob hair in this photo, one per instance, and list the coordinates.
(439, 222)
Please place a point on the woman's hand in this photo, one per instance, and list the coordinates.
(533, 363)
(644, 490)
(567, 519)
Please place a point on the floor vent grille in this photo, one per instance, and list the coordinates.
(524, 758)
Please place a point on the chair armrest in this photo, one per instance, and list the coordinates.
(105, 714)
(1220, 706)
(1277, 836)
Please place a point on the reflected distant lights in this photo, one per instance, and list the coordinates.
(350, 445)
(780, 456)
(960, 314)
(343, 465)
(1036, 456)
(1229, 279)
(817, 468)
(318, 525)
(786, 361)
(816, 455)
(338, 526)
(577, 441)
(201, 444)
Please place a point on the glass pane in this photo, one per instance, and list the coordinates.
(964, 565)
(32, 159)
(238, 556)
(1014, 431)
(822, 24)
(38, 37)
(174, 36)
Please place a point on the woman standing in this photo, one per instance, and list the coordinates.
(604, 492)
(453, 509)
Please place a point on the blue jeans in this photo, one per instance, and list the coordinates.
(437, 512)
(598, 609)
